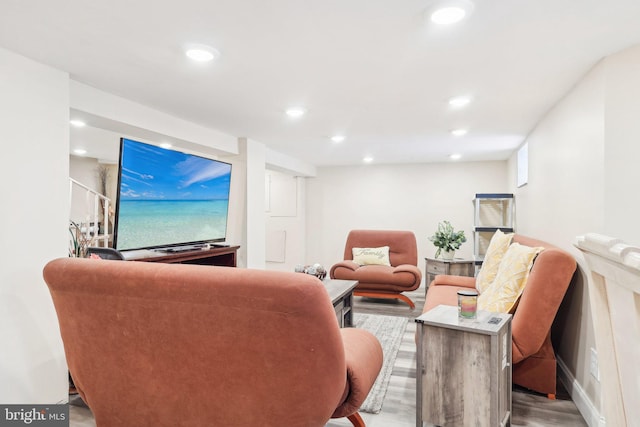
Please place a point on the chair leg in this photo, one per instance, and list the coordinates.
(356, 420)
(407, 300)
(372, 294)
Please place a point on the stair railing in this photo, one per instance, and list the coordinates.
(88, 232)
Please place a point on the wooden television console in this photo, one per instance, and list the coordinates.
(224, 256)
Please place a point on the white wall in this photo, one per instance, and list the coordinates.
(582, 173)
(565, 169)
(34, 107)
(622, 145)
(404, 197)
(284, 163)
(285, 221)
(252, 170)
(564, 198)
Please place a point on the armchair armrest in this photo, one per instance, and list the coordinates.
(348, 264)
(408, 268)
(363, 354)
(463, 281)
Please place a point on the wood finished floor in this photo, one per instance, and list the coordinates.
(399, 408)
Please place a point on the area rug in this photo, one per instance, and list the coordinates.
(389, 331)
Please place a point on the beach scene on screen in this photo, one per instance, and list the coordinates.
(167, 197)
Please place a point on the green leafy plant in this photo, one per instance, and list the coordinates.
(446, 239)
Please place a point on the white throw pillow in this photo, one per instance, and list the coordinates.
(371, 256)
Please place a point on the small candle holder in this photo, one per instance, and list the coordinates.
(467, 304)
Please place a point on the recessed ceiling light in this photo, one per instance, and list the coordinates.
(447, 12)
(367, 159)
(459, 132)
(448, 15)
(165, 145)
(459, 101)
(295, 112)
(201, 53)
(337, 138)
(80, 151)
(455, 156)
(77, 123)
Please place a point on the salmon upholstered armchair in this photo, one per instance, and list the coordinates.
(189, 345)
(386, 279)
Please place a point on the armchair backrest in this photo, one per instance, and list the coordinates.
(403, 248)
(198, 345)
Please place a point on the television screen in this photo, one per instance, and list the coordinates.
(169, 198)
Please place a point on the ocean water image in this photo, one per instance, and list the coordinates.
(167, 197)
(145, 223)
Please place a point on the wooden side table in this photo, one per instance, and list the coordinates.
(454, 267)
(463, 369)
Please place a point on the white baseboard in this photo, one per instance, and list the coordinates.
(579, 397)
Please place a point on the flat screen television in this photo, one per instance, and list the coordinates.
(168, 199)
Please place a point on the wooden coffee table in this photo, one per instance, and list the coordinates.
(341, 294)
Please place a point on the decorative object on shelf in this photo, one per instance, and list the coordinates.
(81, 237)
(447, 240)
(313, 269)
(448, 255)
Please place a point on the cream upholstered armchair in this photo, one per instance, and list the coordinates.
(189, 345)
(381, 277)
